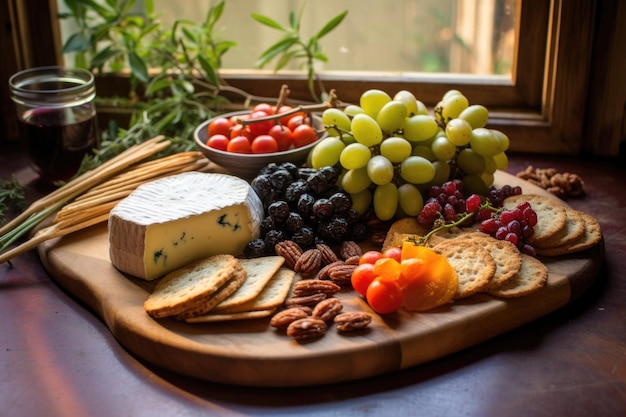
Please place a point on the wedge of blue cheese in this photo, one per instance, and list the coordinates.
(173, 221)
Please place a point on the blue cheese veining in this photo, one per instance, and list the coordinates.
(170, 222)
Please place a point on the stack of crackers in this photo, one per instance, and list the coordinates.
(488, 265)
(221, 288)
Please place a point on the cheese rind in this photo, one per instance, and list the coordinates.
(176, 220)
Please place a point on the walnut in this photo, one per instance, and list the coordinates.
(562, 185)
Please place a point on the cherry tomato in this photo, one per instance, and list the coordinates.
(384, 295)
(393, 252)
(264, 107)
(264, 144)
(282, 134)
(218, 141)
(297, 120)
(220, 126)
(239, 144)
(370, 257)
(241, 130)
(362, 277)
(259, 128)
(285, 119)
(303, 135)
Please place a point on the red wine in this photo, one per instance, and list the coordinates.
(58, 139)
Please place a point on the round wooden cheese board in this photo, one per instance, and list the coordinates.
(252, 353)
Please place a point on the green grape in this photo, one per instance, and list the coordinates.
(452, 106)
(419, 128)
(380, 170)
(459, 132)
(424, 151)
(361, 201)
(490, 165)
(421, 108)
(417, 170)
(348, 138)
(365, 130)
(391, 116)
(409, 101)
(335, 121)
(355, 156)
(451, 93)
(503, 138)
(395, 149)
(353, 110)
(355, 180)
(385, 201)
(470, 162)
(487, 178)
(373, 100)
(502, 161)
(326, 153)
(442, 173)
(473, 184)
(484, 142)
(410, 199)
(443, 149)
(476, 114)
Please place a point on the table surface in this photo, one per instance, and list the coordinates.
(58, 359)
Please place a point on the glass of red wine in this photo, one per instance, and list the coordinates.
(57, 115)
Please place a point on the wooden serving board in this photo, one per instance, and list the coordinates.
(254, 354)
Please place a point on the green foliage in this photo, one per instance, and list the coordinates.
(12, 196)
(291, 47)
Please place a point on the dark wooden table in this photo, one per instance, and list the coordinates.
(59, 359)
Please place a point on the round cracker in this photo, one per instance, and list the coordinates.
(533, 275)
(473, 264)
(591, 237)
(507, 257)
(574, 229)
(551, 215)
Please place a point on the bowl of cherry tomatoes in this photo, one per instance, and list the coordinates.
(243, 142)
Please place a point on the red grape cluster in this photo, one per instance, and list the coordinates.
(515, 226)
(448, 202)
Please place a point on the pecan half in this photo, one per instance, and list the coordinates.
(349, 249)
(342, 274)
(324, 272)
(315, 286)
(306, 300)
(307, 328)
(327, 309)
(284, 318)
(328, 255)
(351, 321)
(289, 250)
(309, 262)
(353, 260)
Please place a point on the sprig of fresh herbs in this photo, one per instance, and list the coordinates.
(12, 196)
(292, 47)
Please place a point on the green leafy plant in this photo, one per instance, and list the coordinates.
(291, 46)
(12, 196)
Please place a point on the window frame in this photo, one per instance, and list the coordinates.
(542, 107)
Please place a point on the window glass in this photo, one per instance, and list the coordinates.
(403, 36)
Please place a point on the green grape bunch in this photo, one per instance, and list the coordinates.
(392, 149)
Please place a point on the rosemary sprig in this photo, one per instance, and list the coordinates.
(12, 195)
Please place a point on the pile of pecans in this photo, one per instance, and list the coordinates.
(313, 307)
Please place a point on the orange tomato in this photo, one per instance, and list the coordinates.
(429, 283)
(387, 267)
(370, 257)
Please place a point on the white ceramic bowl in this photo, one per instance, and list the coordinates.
(248, 165)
